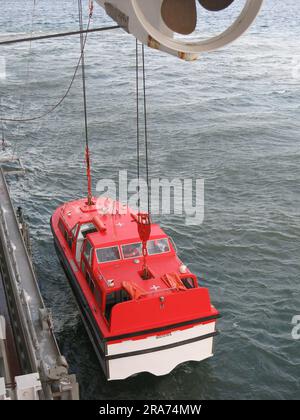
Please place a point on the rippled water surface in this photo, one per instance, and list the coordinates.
(232, 118)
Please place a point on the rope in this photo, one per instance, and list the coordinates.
(45, 114)
(91, 7)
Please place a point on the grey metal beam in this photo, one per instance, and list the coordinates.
(56, 35)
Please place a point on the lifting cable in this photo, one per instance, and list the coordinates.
(138, 129)
(146, 128)
(143, 220)
(87, 150)
(138, 123)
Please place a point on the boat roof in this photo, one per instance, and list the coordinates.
(118, 220)
(117, 226)
(118, 230)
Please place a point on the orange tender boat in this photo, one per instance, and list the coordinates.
(136, 322)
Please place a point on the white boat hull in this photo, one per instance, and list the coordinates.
(160, 354)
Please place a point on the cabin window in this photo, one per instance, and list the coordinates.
(92, 286)
(61, 227)
(159, 246)
(88, 279)
(74, 230)
(108, 254)
(132, 250)
(90, 282)
(189, 283)
(83, 267)
(87, 229)
(98, 296)
(84, 230)
(65, 233)
(113, 299)
(88, 252)
(69, 240)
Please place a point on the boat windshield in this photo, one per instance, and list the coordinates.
(108, 254)
(88, 228)
(132, 250)
(158, 246)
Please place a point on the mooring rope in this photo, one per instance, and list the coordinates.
(57, 105)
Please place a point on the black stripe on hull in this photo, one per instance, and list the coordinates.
(162, 348)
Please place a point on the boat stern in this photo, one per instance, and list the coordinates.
(159, 348)
(160, 354)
